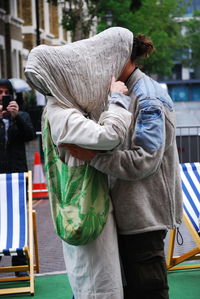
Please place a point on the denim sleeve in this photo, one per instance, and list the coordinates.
(149, 129)
(120, 100)
(146, 150)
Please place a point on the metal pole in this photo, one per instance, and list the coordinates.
(37, 22)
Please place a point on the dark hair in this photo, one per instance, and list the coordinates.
(142, 48)
(6, 83)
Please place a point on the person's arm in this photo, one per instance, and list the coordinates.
(69, 126)
(146, 151)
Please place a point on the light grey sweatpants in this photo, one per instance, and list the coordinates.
(94, 269)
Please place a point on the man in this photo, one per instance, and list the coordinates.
(145, 181)
(15, 130)
(76, 79)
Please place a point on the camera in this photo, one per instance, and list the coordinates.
(6, 100)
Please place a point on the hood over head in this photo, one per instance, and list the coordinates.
(79, 74)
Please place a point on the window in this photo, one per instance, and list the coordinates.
(13, 8)
(184, 91)
(177, 72)
(179, 93)
(195, 93)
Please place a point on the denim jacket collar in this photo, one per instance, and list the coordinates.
(135, 76)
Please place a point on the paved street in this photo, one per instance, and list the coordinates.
(50, 246)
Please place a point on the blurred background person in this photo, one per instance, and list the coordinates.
(16, 129)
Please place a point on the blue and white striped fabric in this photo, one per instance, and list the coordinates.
(13, 213)
(190, 176)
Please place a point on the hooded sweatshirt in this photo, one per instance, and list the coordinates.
(76, 79)
(145, 175)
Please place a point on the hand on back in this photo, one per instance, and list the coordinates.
(78, 152)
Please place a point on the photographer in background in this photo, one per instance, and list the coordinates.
(16, 129)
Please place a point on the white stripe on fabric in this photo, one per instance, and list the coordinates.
(190, 210)
(3, 212)
(192, 175)
(22, 233)
(25, 213)
(189, 187)
(191, 196)
(16, 215)
(13, 185)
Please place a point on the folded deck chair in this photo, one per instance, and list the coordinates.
(190, 176)
(17, 231)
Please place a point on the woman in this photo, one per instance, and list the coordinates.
(76, 79)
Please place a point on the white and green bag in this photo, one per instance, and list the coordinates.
(78, 195)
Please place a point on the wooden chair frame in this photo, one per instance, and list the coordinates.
(193, 254)
(29, 251)
(174, 262)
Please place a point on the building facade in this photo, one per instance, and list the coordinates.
(27, 23)
(184, 84)
(23, 25)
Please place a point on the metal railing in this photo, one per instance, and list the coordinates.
(188, 143)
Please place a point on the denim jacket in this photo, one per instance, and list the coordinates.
(144, 172)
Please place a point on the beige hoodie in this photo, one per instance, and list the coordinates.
(78, 77)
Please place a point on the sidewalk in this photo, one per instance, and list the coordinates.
(50, 245)
(52, 280)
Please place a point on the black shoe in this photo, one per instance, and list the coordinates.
(21, 274)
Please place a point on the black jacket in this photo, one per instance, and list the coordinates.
(12, 151)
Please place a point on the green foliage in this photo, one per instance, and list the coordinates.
(191, 51)
(54, 2)
(118, 10)
(29, 100)
(153, 18)
(78, 16)
(69, 20)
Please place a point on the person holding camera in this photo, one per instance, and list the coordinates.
(16, 129)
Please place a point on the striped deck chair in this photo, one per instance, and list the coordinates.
(190, 176)
(17, 231)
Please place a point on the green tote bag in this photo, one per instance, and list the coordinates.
(78, 195)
